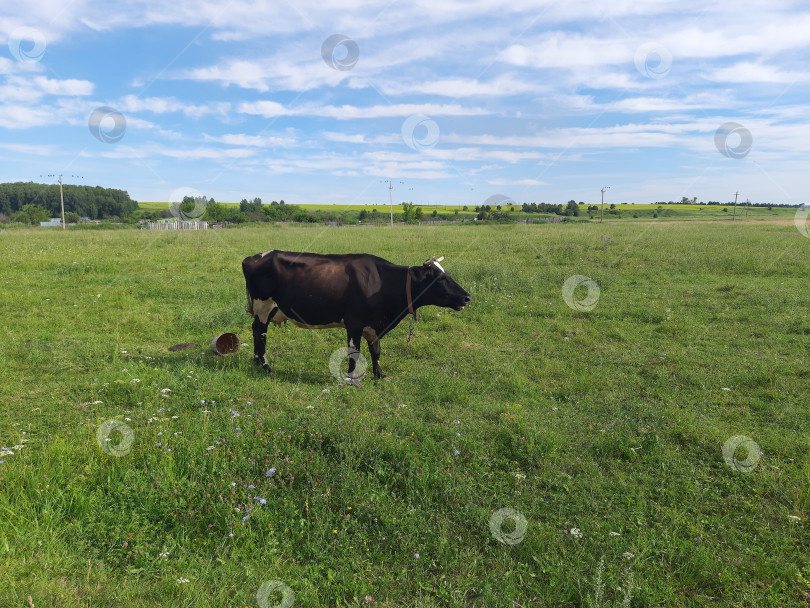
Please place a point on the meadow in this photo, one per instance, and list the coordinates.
(637, 439)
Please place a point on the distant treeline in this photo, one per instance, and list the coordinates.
(694, 201)
(85, 201)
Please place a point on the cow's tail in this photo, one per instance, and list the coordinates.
(249, 307)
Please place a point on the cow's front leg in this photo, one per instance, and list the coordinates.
(374, 349)
(354, 354)
(260, 344)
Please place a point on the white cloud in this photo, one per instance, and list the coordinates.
(516, 182)
(756, 72)
(271, 109)
(258, 141)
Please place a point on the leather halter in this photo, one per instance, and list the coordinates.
(408, 292)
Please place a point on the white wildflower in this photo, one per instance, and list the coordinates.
(181, 581)
(134, 380)
(628, 555)
(165, 390)
(614, 533)
(576, 532)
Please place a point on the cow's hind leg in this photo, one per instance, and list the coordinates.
(354, 354)
(374, 349)
(260, 344)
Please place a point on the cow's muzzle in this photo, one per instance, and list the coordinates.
(464, 301)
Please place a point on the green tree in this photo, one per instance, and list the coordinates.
(31, 214)
(408, 212)
(418, 215)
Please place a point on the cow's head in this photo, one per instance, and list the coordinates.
(437, 288)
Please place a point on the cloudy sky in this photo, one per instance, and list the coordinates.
(454, 101)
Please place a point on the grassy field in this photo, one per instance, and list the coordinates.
(600, 425)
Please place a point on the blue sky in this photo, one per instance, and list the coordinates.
(453, 101)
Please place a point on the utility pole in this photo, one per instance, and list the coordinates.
(391, 200)
(602, 216)
(746, 208)
(734, 217)
(62, 200)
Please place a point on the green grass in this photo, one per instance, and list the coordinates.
(611, 421)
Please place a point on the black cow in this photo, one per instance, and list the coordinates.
(365, 294)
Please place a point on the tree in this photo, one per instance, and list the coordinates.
(30, 214)
(465, 208)
(408, 212)
(363, 215)
(572, 209)
(418, 214)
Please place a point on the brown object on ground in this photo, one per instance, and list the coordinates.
(182, 346)
(225, 344)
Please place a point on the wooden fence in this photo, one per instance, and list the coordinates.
(178, 225)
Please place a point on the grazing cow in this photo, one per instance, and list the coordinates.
(363, 293)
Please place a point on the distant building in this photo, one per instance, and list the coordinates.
(53, 222)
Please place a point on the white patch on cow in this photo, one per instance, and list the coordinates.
(263, 308)
(439, 266)
(267, 252)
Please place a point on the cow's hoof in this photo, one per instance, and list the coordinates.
(263, 364)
